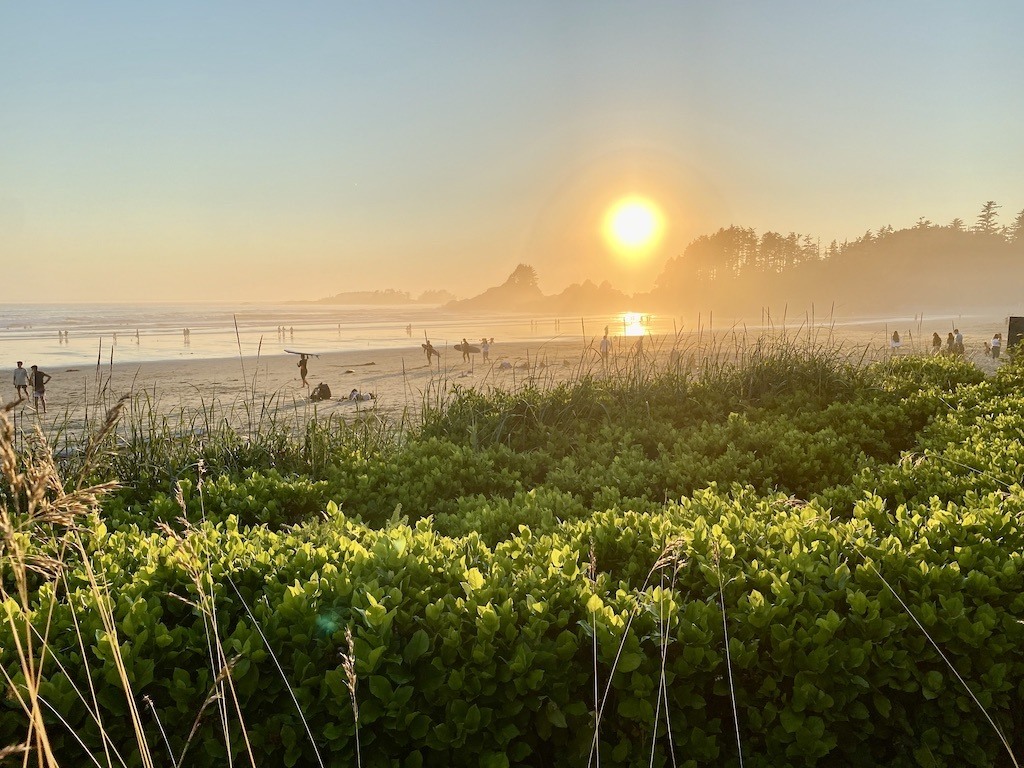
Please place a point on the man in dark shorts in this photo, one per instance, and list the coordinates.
(21, 382)
(38, 380)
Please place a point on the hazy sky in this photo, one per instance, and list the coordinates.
(252, 150)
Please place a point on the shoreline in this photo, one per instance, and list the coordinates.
(400, 379)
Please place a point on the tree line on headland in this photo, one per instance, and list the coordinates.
(951, 267)
(943, 268)
(736, 272)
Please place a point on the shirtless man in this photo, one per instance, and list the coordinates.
(38, 379)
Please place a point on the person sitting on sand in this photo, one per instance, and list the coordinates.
(936, 343)
(21, 382)
(39, 379)
(355, 395)
(302, 369)
(320, 392)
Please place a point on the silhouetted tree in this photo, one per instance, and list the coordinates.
(956, 225)
(987, 218)
(523, 276)
(1015, 232)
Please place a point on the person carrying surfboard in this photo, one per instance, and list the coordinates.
(428, 348)
(302, 369)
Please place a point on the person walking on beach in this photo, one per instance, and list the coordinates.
(21, 382)
(485, 348)
(465, 351)
(936, 343)
(428, 348)
(38, 379)
(606, 345)
(302, 369)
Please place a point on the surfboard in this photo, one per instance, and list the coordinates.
(307, 354)
(432, 350)
(471, 348)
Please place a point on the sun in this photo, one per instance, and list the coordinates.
(633, 225)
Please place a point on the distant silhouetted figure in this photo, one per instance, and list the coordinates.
(428, 348)
(606, 345)
(894, 342)
(408, 330)
(936, 343)
(291, 332)
(465, 351)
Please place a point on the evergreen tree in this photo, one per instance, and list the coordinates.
(523, 276)
(987, 218)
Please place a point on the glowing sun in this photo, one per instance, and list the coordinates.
(633, 225)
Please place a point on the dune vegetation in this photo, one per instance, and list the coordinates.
(790, 558)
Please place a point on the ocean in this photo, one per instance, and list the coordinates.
(34, 333)
(141, 332)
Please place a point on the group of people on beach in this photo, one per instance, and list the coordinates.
(954, 345)
(34, 378)
(467, 350)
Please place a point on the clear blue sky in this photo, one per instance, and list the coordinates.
(248, 150)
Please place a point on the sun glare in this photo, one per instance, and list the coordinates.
(633, 225)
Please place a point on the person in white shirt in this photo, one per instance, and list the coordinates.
(21, 382)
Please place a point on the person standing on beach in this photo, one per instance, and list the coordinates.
(958, 341)
(465, 351)
(606, 345)
(485, 348)
(894, 343)
(21, 382)
(997, 343)
(936, 343)
(302, 369)
(39, 379)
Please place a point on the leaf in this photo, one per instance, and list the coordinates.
(630, 662)
(418, 644)
(380, 687)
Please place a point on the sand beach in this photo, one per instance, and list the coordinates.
(240, 388)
